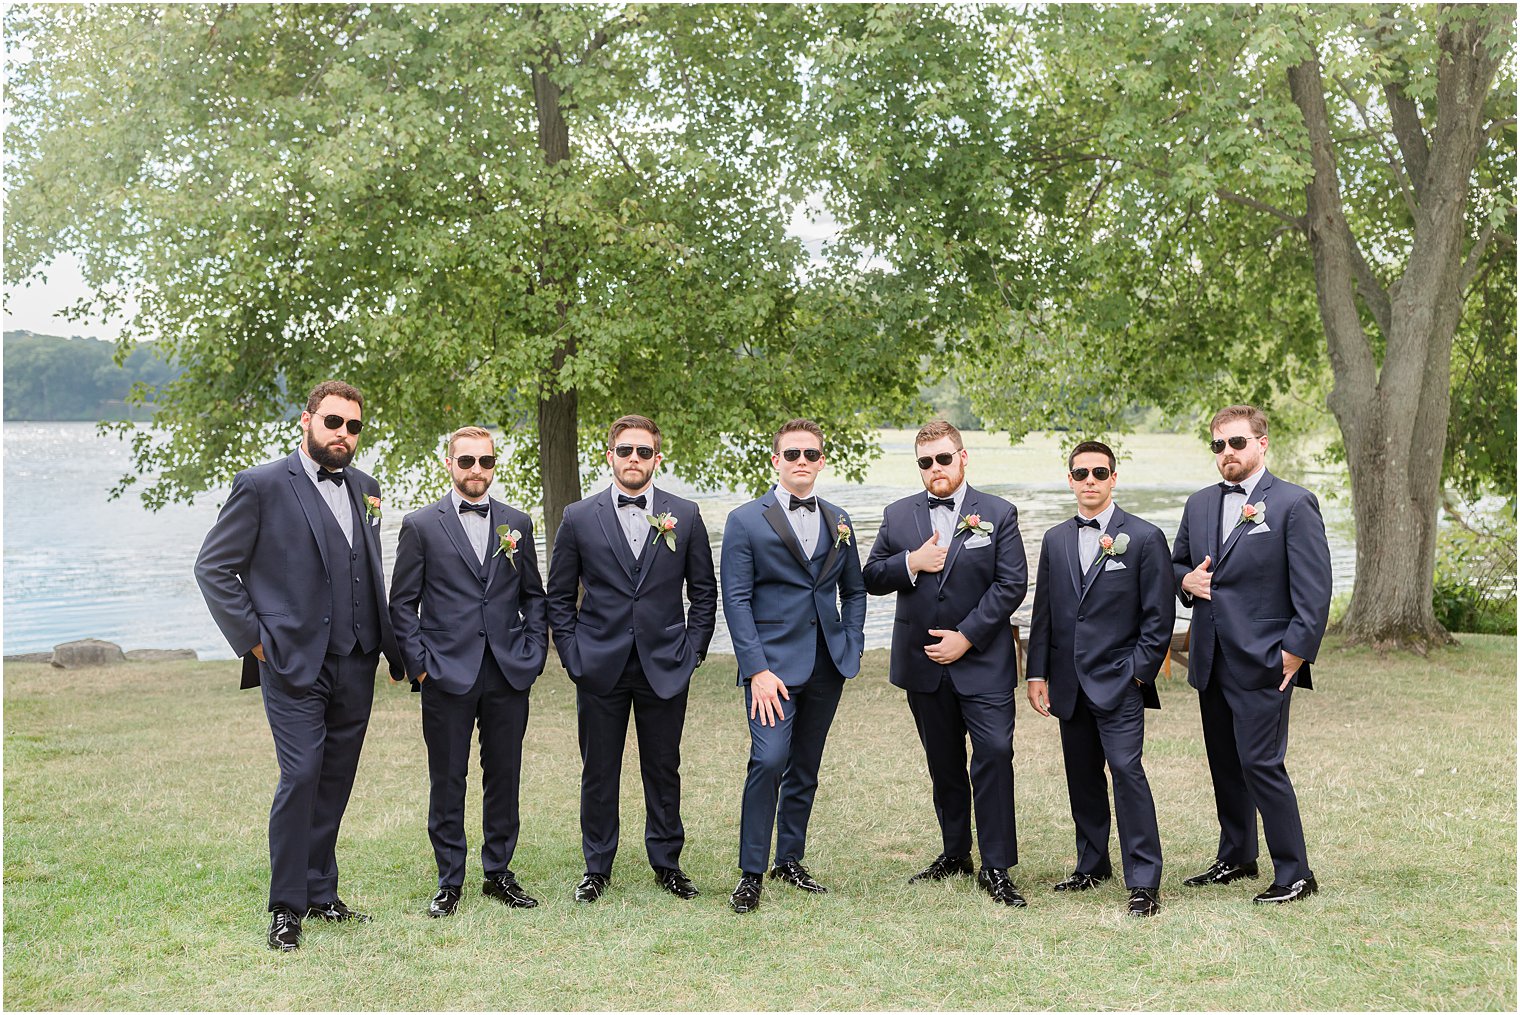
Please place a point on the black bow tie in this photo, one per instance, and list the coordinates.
(948, 502)
(639, 502)
(483, 509)
(805, 503)
(1233, 488)
(331, 477)
(1087, 523)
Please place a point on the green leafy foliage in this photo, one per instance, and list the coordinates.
(1475, 574)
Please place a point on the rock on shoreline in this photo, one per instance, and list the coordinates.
(73, 655)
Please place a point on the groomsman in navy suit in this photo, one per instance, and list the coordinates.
(467, 604)
(1252, 561)
(955, 558)
(1103, 617)
(292, 534)
(630, 644)
(796, 610)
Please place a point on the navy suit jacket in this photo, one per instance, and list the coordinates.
(1271, 584)
(263, 571)
(775, 599)
(983, 582)
(1105, 628)
(464, 605)
(631, 605)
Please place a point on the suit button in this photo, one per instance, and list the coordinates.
(630, 630)
(814, 621)
(485, 602)
(1081, 617)
(635, 569)
(327, 620)
(942, 599)
(635, 598)
(356, 581)
(481, 633)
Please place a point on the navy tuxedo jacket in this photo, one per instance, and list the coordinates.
(1105, 628)
(983, 582)
(631, 605)
(263, 571)
(776, 600)
(466, 606)
(1271, 584)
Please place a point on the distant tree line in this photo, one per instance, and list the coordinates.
(49, 377)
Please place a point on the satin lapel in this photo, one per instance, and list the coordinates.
(498, 516)
(370, 537)
(1239, 530)
(1216, 508)
(448, 517)
(1073, 540)
(612, 528)
(969, 506)
(920, 511)
(311, 502)
(829, 519)
(777, 519)
(1115, 527)
(654, 542)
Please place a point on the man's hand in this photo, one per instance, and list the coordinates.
(1291, 663)
(765, 691)
(1039, 696)
(929, 557)
(952, 645)
(1197, 582)
(258, 651)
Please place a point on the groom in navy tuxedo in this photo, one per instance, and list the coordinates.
(954, 556)
(1252, 560)
(1103, 617)
(468, 607)
(292, 534)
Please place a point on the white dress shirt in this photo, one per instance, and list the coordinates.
(334, 495)
(804, 522)
(1233, 502)
(944, 520)
(1088, 537)
(635, 520)
(476, 527)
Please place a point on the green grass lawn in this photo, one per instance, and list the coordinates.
(135, 862)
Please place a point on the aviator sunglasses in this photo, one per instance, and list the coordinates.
(811, 454)
(624, 450)
(467, 462)
(944, 458)
(334, 422)
(1101, 474)
(1238, 443)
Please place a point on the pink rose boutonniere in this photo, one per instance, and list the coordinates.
(507, 540)
(372, 508)
(842, 533)
(1111, 547)
(973, 523)
(664, 525)
(1253, 514)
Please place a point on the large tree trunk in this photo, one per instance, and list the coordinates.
(1393, 415)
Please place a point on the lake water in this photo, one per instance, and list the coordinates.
(79, 566)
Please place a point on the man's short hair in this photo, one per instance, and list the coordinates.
(936, 429)
(796, 426)
(1093, 448)
(632, 423)
(1249, 413)
(470, 433)
(338, 388)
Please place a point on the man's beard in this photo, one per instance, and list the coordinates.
(326, 456)
(461, 484)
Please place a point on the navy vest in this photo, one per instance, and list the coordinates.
(355, 618)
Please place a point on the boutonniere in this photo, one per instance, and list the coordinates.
(664, 525)
(972, 523)
(842, 533)
(1253, 514)
(1112, 547)
(507, 543)
(372, 508)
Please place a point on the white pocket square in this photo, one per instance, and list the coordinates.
(1263, 527)
(1115, 565)
(980, 540)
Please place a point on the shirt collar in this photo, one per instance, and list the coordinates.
(1104, 516)
(309, 464)
(458, 498)
(959, 496)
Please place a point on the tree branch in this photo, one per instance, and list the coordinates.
(1475, 258)
(1298, 222)
(1400, 178)
(1410, 134)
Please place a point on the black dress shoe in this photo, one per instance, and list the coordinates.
(504, 887)
(284, 929)
(945, 867)
(796, 875)
(995, 882)
(1222, 873)
(1079, 881)
(1277, 894)
(591, 888)
(746, 896)
(445, 902)
(1144, 902)
(336, 912)
(675, 881)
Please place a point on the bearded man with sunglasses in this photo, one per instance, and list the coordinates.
(1103, 617)
(631, 645)
(956, 560)
(468, 607)
(796, 610)
(1252, 560)
(291, 574)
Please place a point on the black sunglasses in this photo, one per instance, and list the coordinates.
(1238, 443)
(334, 422)
(624, 450)
(943, 458)
(811, 454)
(1101, 474)
(467, 462)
